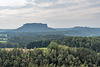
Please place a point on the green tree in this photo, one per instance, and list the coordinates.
(53, 45)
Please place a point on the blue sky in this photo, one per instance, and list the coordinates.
(56, 13)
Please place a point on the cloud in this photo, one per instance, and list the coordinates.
(12, 3)
(15, 4)
(45, 1)
(50, 11)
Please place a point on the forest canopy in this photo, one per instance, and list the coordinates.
(51, 52)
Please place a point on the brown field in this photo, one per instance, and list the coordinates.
(10, 49)
(24, 50)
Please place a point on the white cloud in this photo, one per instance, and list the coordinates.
(44, 4)
(57, 11)
(12, 3)
(71, 1)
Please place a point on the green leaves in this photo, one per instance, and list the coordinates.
(53, 45)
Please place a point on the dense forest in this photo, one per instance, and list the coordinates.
(43, 41)
(51, 51)
(54, 56)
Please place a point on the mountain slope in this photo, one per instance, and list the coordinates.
(38, 29)
(80, 31)
(5, 30)
(33, 27)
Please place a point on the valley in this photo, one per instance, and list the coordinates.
(37, 45)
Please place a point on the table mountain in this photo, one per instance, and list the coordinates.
(33, 27)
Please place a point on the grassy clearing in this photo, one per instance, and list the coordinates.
(3, 38)
(24, 50)
(44, 49)
(8, 49)
(3, 41)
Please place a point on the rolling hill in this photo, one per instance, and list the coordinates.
(33, 27)
(38, 29)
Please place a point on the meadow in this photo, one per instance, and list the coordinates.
(3, 38)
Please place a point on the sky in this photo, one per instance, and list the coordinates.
(55, 13)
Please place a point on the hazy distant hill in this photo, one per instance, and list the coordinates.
(80, 31)
(38, 29)
(33, 27)
(5, 30)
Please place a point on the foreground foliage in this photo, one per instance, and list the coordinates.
(54, 56)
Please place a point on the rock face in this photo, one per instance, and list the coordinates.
(34, 27)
